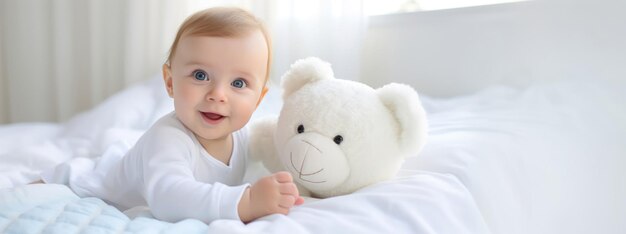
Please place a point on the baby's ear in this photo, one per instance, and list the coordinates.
(404, 105)
(305, 71)
(167, 78)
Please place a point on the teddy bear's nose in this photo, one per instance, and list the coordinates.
(312, 145)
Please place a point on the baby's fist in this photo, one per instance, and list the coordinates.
(273, 194)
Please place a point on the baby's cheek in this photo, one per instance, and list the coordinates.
(247, 108)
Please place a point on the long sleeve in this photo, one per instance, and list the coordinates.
(170, 189)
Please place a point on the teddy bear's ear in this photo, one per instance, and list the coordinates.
(305, 71)
(403, 103)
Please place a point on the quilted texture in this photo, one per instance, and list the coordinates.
(47, 208)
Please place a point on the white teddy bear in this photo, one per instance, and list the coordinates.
(336, 136)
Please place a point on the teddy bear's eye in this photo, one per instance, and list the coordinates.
(300, 128)
(338, 139)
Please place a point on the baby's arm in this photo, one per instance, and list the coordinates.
(273, 194)
(170, 188)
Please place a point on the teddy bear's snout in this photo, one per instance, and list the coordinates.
(300, 166)
(315, 161)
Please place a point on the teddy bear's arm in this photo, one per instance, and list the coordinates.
(261, 147)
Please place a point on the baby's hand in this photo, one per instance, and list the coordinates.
(272, 194)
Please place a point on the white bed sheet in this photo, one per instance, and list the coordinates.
(548, 159)
(28, 148)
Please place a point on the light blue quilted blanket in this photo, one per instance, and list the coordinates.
(48, 208)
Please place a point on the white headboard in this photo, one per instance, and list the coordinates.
(459, 51)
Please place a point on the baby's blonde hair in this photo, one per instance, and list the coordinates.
(222, 22)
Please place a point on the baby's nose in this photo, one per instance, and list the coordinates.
(217, 94)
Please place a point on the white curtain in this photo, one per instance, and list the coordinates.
(58, 58)
(64, 56)
(330, 29)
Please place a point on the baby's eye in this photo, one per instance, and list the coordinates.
(239, 83)
(200, 75)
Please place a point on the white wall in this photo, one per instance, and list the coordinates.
(459, 51)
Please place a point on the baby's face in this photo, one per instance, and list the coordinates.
(217, 82)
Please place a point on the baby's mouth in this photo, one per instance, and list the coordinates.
(212, 116)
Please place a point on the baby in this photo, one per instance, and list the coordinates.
(191, 162)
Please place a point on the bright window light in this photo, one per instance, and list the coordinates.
(378, 7)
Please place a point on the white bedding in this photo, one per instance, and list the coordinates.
(548, 159)
(543, 160)
(421, 203)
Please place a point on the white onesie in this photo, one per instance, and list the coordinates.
(168, 171)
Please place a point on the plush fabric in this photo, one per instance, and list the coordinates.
(336, 136)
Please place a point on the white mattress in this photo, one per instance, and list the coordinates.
(547, 159)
